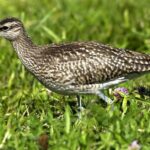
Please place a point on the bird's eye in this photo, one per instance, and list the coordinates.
(4, 28)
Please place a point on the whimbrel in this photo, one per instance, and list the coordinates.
(77, 67)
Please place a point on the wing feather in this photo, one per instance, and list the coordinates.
(82, 63)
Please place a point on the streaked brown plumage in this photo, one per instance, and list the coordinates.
(74, 68)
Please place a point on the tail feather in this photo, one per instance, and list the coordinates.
(138, 62)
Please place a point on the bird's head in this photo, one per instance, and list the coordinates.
(11, 28)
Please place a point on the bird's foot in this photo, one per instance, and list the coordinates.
(104, 97)
(80, 112)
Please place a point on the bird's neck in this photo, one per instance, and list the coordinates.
(23, 45)
(25, 50)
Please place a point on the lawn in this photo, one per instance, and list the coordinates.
(30, 117)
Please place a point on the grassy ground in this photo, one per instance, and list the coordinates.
(29, 117)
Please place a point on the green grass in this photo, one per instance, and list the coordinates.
(27, 111)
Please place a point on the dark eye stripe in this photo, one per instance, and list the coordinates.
(3, 28)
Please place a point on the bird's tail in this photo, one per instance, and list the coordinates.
(137, 62)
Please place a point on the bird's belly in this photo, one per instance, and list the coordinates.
(71, 89)
(67, 90)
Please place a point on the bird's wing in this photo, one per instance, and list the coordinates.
(90, 62)
(76, 51)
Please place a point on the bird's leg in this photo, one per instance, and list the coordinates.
(80, 107)
(79, 103)
(112, 83)
(108, 84)
(105, 98)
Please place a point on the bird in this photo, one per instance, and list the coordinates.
(75, 68)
